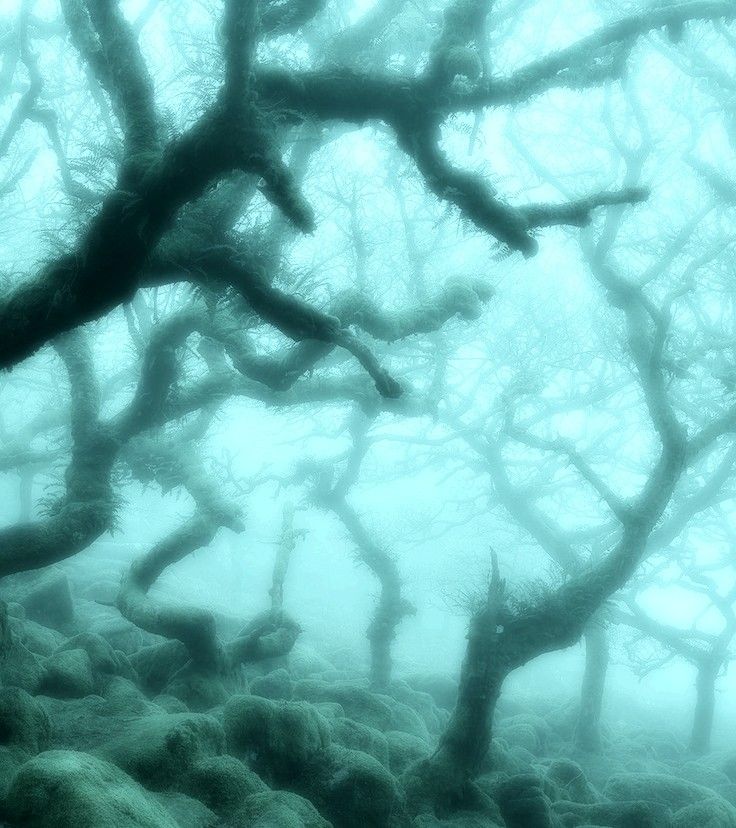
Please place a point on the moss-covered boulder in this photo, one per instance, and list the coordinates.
(358, 736)
(443, 689)
(222, 783)
(69, 675)
(422, 703)
(613, 814)
(709, 813)
(666, 790)
(35, 637)
(186, 811)
(274, 685)
(157, 663)
(23, 721)
(49, 601)
(19, 667)
(358, 702)
(523, 802)
(279, 738)
(355, 790)
(66, 789)
(158, 750)
(405, 718)
(199, 691)
(404, 749)
(284, 809)
(571, 782)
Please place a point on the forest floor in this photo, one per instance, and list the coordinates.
(97, 730)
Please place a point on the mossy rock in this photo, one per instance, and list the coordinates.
(663, 789)
(273, 685)
(199, 691)
(405, 718)
(710, 813)
(222, 783)
(122, 696)
(571, 782)
(66, 789)
(157, 663)
(404, 749)
(422, 703)
(523, 802)
(358, 736)
(23, 721)
(304, 662)
(442, 688)
(50, 602)
(35, 637)
(277, 809)
(613, 814)
(69, 675)
(186, 811)
(158, 750)
(358, 702)
(355, 790)
(19, 667)
(170, 704)
(279, 738)
(702, 774)
(11, 758)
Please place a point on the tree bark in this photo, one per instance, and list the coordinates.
(705, 688)
(587, 731)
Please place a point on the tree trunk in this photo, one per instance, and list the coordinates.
(587, 731)
(705, 688)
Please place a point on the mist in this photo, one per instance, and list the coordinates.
(367, 413)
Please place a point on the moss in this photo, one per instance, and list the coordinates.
(158, 750)
(65, 789)
(443, 689)
(613, 814)
(157, 663)
(68, 675)
(186, 811)
(357, 702)
(710, 813)
(523, 803)
(279, 738)
(50, 602)
(23, 721)
(273, 685)
(405, 718)
(35, 637)
(665, 790)
(570, 779)
(197, 690)
(422, 703)
(222, 783)
(358, 736)
(356, 791)
(404, 749)
(278, 808)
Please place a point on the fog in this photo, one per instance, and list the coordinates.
(368, 415)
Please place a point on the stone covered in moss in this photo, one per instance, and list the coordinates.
(68, 675)
(222, 783)
(404, 749)
(358, 736)
(356, 791)
(666, 790)
(158, 750)
(65, 789)
(284, 809)
(279, 738)
(23, 721)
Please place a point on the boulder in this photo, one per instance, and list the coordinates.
(158, 750)
(279, 738)
(222, 783)
(66, 789)
(24, 723)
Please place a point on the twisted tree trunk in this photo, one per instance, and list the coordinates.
(588, 727)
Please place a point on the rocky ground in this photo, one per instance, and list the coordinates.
(97, 731)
